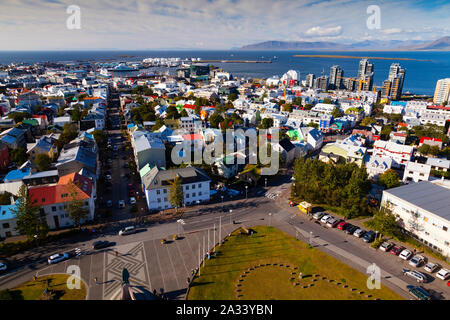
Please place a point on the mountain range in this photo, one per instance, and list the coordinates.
(442, 44)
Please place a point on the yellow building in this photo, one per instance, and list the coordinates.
(442, 91)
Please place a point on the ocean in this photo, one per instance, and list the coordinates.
(421, 76)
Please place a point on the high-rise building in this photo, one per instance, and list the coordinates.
(365, 67)
(321, 83)
(310, 80)
(442, 91)
(336, 74)
(396, 79)
(349, 84)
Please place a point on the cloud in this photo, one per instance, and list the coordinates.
(323, 31)
(392, 31)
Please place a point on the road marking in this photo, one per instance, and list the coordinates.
(173, 267)
(159, 264)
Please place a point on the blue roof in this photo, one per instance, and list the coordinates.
(6, 212)
(8, 139)
(399, 103)
(131, 125)
(17, 175)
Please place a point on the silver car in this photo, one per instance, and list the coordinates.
(418, 276)
(325, 218)
(318, 215)
(431, 267)
(359, 233)
(58, 258)
(417, 260)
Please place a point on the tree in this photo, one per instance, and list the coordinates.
(434, 150)
(43, 162)
(287, 107)
(176, 193)
(69, 133)
(232, 96)
(327, 101)
(267, 123)
(424, 149)
(368, 121)
(172, 113)
(385, 221)
(76, 208)
(28, 218)
(336, 113)
(5, 198)
(389, 179)
(100, 137)
(184, 113)
(215, 119)
(313, 124)
(197, 110)
(17, 116)
(18, 155)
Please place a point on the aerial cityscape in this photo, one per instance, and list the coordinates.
(309, 169)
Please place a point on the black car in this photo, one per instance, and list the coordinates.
(369, 236)
(350, 229)
(100, 244)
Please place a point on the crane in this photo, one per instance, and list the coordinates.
(360, 84)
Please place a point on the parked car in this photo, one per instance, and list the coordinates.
(127, 231)
(109, 203)
(58, 258)
(419, 293)
(443, 274)
(318, 215)
(332, 223)
(386, 246)
(130, 186)
(132, 200)
(351, 229)
(405, 254)
(131, 193)
(101, 244)
(3, 267)
(325, 218)
(369, 236)
(121, 204)
(108, 177)
(418, 276)
(396, 250)
(431, 267)
(359, 233)
(342, 225)
(417, 260)
(126, 165)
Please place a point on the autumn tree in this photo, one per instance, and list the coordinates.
(76, 208)
(176, 193)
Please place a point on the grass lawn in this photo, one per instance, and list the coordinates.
(220, 277)
(33, 290)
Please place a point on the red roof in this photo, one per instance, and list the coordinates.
(60, 193)
(402, 124)
(189, 106)
(429, 139)
(194, 136)
(439, 107)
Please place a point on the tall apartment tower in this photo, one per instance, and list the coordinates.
(310, 80)
(336, 74)
(321, 83)
(365, 72)
(442, 91)
(393, 86)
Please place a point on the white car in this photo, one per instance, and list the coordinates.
(359, 233)
(405, 254)
(108, 177)
(58, 258)
(318, 215)
(325, 218)
(420, 277)
(3, 267)
(132, 200)
(417, 260)
(127, 231)
(443, 274)
(431, 267)
(330, 222)
(121, 204)
(386, 246)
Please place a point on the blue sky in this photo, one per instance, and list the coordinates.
(212, 24)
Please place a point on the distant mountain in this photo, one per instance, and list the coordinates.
(413, 45)
(439, 44)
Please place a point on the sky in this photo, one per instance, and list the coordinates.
(211, 24)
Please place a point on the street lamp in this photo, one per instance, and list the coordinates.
(246, 187)
(35, 238)
(222, 201)
(270, 219)
(310, 237)
(266, 182)
(230, 215)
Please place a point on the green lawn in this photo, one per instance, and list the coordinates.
(33, 290)
(268, 245)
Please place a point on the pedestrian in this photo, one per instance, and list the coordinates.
(300, 276)
(117, 253)
(414, 251)
(96, 280)
(188, 280)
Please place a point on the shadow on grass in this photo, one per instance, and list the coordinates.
(197, 283)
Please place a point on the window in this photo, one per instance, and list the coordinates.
(193, 194)
(187, 187)
(53, 208)
(193, 186)
(43, 199)
(444, 228)
(199, 194)
(159, 200)
(199, 185)
(187, 195)
(165, 190)
(6, 225)
(157, 192)
(165, 199)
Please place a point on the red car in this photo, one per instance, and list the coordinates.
(131, 193)
(130, 186)
(396, 250)
(342, 225)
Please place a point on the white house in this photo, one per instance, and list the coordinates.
(195, 183)
(416, 172)
(401, 154)
(377, 165)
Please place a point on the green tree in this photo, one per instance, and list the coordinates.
(385, 222)
(76, 208)
(434, 150)
(184, 113)
(172, 113)
(197, 110)
(18, 155)
(43, 162)
(29, 220)
(232, 96)
(313, 124)
(287, 107)
(368, 121)
(70, 132)
(176, 193)
(336, 113)
(18, 116)
(389, 179)
(5, 198)
(424, 149)
(267, 123)
(327, 101)
(215, 119)
(99, 137)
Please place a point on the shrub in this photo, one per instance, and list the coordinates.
(377, 243)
